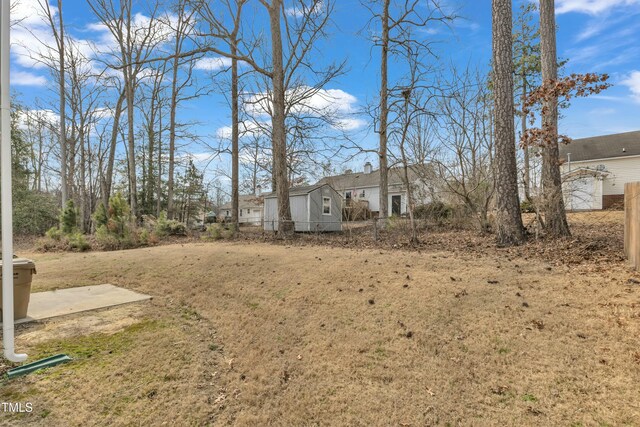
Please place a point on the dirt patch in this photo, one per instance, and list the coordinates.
(105, 321)
(308, 334)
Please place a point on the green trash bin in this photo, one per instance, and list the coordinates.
(23, 270)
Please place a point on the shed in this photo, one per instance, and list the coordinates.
(314, 208)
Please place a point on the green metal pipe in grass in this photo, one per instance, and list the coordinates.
(39, 364)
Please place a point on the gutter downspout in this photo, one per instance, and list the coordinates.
(5, 189)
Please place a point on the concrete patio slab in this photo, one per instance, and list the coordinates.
(44, 305)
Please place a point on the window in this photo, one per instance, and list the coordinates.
(347, 195)
(362, 194)
(240, 212)
(326, 206)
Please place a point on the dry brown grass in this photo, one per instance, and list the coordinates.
(321, 335)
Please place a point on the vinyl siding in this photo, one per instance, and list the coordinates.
(253, 217)
(306, 211)
(319, 221)
(621, 171)
(583, 193)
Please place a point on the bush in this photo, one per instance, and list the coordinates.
(435, 211)
(218, 232)
(116, 229)
(69, 219)
(144, 237)
(66, 236)
(54, 233)
(527, 206)
(100, 216)
(34, 212)
(78, 242)
(165, 227)
(55, 240)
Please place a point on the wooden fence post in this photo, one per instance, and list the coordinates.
(632, 223)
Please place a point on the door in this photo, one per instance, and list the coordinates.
(396, 205)
(582, 194)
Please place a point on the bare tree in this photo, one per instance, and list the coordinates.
(232, 38)
(84, 97)
(184, 22)
(135, 42)
(509, 228)
(527, 76)
(397, 20)
(153, 103)
(554, 211)
(57, 29)
(465, 135)
(410, 105)
(301, 31)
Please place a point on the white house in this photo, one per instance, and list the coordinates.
(365, 187)
(250, 209)
(595, 169)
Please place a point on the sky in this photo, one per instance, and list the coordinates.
(594, 35)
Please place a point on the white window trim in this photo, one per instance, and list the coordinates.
(323, 200)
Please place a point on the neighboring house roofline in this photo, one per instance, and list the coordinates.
(600, 159)
(245, 202)
(586, 171)
(300, 190)
(625, 144)
(371, 179)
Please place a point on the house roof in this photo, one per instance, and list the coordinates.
(297, 191)
(579, 172)
(355, 180)
(246, 201)
(602, 147)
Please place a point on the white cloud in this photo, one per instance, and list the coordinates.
(350, 124)
(32, 41)
(246, 128)
(24, 78)
(198, 158)
(213, 64)
(633, 83)
(32, 117)
(591, 7)
(306, 100)
(334, 103)
(297, 11)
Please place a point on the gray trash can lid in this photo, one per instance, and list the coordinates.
(22, 264)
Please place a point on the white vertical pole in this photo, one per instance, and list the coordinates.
(5, 190)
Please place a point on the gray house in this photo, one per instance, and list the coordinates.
(313, 208)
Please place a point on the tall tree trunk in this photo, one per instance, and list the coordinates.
(150, 182)
(159, 172)
(235, 136)
(554, 213)
(107, 181)
(133, 186)
(384, 113)
(509, 228)
(64, 181)
(277, 122)
(526, 179)
(40, 162)
(172, 134)
(84, 208)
